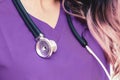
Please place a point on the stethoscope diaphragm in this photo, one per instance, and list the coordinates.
(45, 48)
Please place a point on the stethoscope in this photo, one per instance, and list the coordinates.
(45, 47)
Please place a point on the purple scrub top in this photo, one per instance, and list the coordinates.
(19, 60)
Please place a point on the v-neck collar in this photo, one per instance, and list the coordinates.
(47, 30)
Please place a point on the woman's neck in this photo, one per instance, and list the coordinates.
(43, 4)
(45, 10)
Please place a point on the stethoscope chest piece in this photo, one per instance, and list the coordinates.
(45, 48)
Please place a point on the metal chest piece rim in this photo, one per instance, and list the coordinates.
(45, 47)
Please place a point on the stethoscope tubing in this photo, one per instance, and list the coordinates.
(37, 33)
(84, 43)
(28, 21)
(80, 39)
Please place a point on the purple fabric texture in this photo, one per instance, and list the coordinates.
(18, 58)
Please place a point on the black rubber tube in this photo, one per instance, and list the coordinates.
(80, 39)
(26, 18)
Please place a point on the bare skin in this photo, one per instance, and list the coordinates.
(44, 10)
